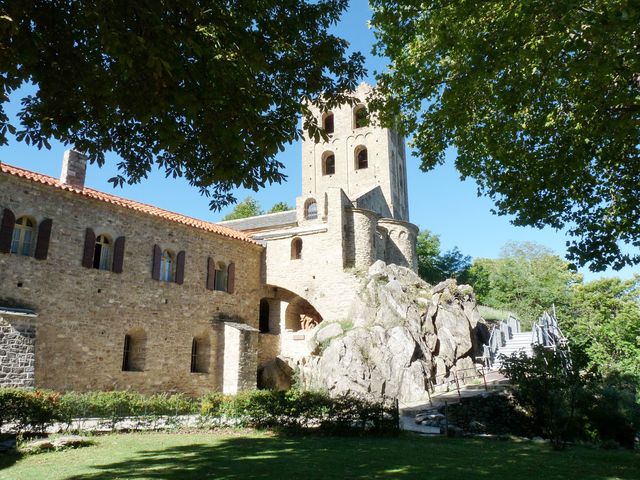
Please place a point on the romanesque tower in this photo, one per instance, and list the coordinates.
(367, 162)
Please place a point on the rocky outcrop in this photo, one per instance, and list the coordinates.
(399, 337)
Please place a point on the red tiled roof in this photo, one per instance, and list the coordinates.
(123, 202)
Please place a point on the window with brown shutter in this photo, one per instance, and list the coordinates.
(231, 277)
(44, 235)
(89, 248)
(118, 255)
(6, 230)
(180, 267)
(211, 274)
(155, 269)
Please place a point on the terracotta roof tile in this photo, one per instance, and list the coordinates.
(123, 202)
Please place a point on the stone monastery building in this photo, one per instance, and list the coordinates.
(99, 293)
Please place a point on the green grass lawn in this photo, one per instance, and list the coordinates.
(263, 455)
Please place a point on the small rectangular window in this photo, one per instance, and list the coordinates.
(126, 355)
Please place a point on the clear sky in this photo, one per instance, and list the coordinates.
(438, 200)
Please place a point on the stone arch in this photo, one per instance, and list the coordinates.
(295, 312)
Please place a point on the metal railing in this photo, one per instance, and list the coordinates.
(546, 333)
(500, 334)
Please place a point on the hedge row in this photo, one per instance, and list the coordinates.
(33, 411)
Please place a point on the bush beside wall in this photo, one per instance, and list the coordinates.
(35, 410)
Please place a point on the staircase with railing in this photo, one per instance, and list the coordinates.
(507, 338)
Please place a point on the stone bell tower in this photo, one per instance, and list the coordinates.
(358, 157)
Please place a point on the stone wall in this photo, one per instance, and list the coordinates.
(85, 313)
(364, 233)
(318, 276)
(401, 243)
(240, 357)
(17, 350)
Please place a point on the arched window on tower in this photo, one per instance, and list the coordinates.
(328, 123)
(23, 233)
(360, 116)
(362, 158)
(328, 163)
(296, 249)
(311, 209)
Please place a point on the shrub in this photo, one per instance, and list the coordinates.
(28, 410)
(613, 410)
(569, 402)
(118, 405)
(298, 409)
(549, 388)
(292, 410)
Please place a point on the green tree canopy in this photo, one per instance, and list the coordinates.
(527, 279)
(604, 321)
(280, 207)
(249, 207)
(206, 90)
(541, 100)
(435, 266)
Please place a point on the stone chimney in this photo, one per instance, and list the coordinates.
(74, 168)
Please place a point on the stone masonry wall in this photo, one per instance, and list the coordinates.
(318, 276)
(17, 351)
(84, 314)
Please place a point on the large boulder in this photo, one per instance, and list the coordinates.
(404, 336)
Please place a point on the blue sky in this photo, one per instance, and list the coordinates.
(438, 200)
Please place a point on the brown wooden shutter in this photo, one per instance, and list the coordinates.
(89, 248)
(231, 277)
(118, 255)
(211, 274)
(44, 235)
(180, 267)
(155, 269)
(6, 230)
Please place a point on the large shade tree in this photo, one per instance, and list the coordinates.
(527, 279)
(208, 90)
(541, 100)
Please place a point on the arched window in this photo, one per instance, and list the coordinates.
(263, 322)
(360, 116)
(221, 277)
(328, 123)
(296, 249)
(23, 233)
(200, 347)
(133, 356)
(328, 163)
(168, 266)
(362, 158)
(311, 210)
(102, 254)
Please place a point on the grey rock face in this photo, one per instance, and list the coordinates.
(405, 336)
